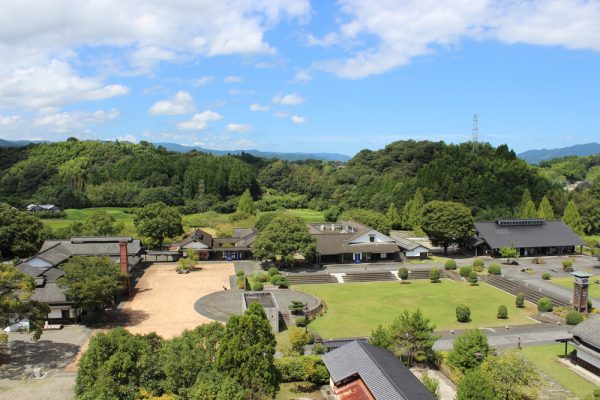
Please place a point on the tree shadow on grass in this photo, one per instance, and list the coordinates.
(17, 363)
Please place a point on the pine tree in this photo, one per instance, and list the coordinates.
(412, 211)
(246, 204)
(527, 207)
(201, 199)
(545, 210)
(394, 216)
(572, 218)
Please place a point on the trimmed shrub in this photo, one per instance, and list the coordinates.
(502, 312)
(450, 265)
(465, 271)
(303, 368)
(573, 317)
(478, 265)
(300, 322)
(261, 276)
(319, 349)
(241, 282)
(239, 273)
(275, 278)
(273, 271)
(473, 278)
(257, 286)
(494, 269)
(403, 273)
(463, 313)
(567, 266)
(520, 300)
(545, 305)
(546, 276)
(283, 283)
(434, 275)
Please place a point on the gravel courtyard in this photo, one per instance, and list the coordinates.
(164, 300)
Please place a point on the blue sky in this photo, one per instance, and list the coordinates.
(298, 75)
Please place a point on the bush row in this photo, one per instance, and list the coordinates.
(302, 368)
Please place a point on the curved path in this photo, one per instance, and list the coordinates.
(220, 306)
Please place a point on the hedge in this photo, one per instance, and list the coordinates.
(573, 317)
(494, 269)
(545, 305)
(450, 265)
(301, 369)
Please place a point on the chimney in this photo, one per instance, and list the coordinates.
(124, 264)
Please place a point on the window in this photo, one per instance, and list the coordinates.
(372, 238)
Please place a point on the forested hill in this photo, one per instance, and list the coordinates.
(75, 174)
(538, 156)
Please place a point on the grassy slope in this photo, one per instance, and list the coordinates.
(545, 358)
(79, 215)
(355, 309)
(567, 282)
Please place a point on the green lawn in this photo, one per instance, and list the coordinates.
(290, 391)
(120, 214)
(308, 215)
(567, 282)
(545, 358)
(355, 309)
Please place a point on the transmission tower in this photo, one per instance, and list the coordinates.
(475, 134)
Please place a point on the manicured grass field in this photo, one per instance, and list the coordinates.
(567, 282)
(308, 215)
(355, 309)
(545, 358)
(123, 215)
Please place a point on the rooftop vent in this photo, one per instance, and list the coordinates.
(521, 222)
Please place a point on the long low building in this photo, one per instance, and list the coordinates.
(236, 247)
(531, 237)
(44, 268)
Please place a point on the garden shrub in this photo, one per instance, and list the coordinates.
(478, 265)
(465, 271)
(283, 283)
(573, 317)
(463, 313)
(432, 384)
(241, 282)
(275, 279)
(502, 312)
(257, 286)
(403, 273)
(299, 338)
(239, 273)
(450, 265)
(520, 300)
(545, 305)
(302, 368)
(546, 276)
(319, 349)
(567, 266)
(300, 322)
(473, 278)
(494, 269)
(434, 275)
(261, 276)
(273, 271)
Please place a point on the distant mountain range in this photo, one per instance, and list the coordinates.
(257, 153)
(537, 156)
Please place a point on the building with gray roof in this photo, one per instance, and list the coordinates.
(586, 340)
(359, 366)
(236, 247)
(44, 267)
(532, 237)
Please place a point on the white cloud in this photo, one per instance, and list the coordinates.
(51, 85)
(298, 119)
(10, 120)
(291, 99)
(281, 114)
(69, 122)
(256, 107)
(246, 92)
(127, 138)
(404, 30)
(203, 80)
(232, 79)
(199, 121)
(240, 128)
(301, 77)
(223, 141)
(181, 103)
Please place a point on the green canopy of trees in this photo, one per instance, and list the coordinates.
(374, 219)
(156, 221)
(21, 234)
(283, 237)
(447, 222)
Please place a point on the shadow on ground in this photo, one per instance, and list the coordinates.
(119, 318)
(22, 356)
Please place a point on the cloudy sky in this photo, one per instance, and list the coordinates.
(299, 75)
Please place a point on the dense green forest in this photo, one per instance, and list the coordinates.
(491, 181)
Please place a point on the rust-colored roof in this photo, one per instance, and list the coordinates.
(355, 390)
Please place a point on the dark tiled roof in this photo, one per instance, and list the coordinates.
(49, 293)
(339, 241)
(385, 376)
(29, 270)
(197, 235)
(588, 331)
(407, 244)
(547, 234)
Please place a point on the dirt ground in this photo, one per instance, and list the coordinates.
(164, 300)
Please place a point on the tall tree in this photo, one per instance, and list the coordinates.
(475, 385)
(528, 210)
(201, 197)
(510, 374)
(100, 223)
(92, 282)
(545, 210)
(247, 352)
(393, 216)
(156, 222)
(572, 218)
(525, 206)
(285, 236)
(469, 350)
(16, 289)
(413, 210)
(412, 336)
(447, 222)
(21, 234)
(246, 204)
